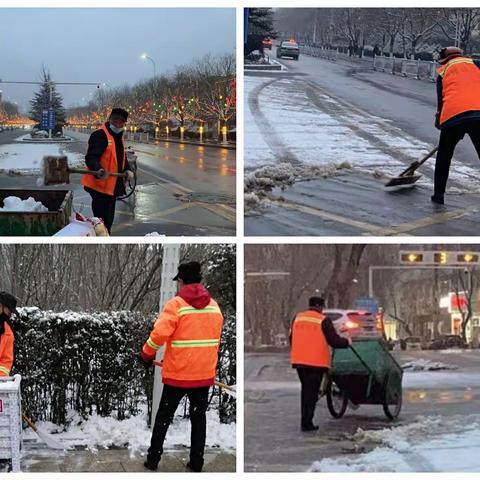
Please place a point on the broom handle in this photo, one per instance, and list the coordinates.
(93, 172)
(418, 163)
(217, 383)
(29, 422)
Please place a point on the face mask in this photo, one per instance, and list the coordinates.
(116, 129)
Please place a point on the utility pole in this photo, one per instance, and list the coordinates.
(168, 289)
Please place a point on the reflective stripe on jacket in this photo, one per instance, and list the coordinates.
(108, 161)
(460, 87)
(309, 345)
(6, 351)
(192, 338)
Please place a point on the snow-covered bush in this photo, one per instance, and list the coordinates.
(84, 362)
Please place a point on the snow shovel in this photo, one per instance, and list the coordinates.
(45, 437)
(56, 170)
(230, 390)
(408, 178)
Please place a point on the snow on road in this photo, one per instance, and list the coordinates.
(27, 159)
(106, 432)
(288, 117)
(429, 444)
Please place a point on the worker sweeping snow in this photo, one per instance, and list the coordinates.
(191, 327)
(458, 112)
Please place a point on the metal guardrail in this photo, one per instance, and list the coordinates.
(418, 69)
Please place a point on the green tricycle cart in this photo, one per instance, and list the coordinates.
(364, 374)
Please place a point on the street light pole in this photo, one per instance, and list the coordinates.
(146, 57)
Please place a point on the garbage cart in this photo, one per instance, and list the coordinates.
(364, 374)
(58, 202)
(10, 421)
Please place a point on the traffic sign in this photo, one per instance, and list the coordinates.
(48, 119)
(438, 257)
(368, 304)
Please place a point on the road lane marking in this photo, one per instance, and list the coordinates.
(326, 215)
(435, 219)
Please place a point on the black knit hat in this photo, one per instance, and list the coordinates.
(318, 302)
(9, 301)
(119, 113)
(189, 272)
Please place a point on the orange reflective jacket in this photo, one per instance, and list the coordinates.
(192, 338)
(460, 87)
(108, 161)
(6, 351)
(309, 345)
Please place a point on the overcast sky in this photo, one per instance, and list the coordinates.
(104, 45)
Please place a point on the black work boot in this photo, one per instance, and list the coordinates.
(309, 428)
(193, 468)
(438, 198)
(151, 464)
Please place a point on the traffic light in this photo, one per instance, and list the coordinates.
(411, 257)
(467, 258)
(440, 257)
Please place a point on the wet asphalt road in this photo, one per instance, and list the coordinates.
(182, 189)
(274, 442)
(355, 203)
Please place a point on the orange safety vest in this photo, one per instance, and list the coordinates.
(460, 87)
(309, 345)
(108, 161)
(192, 338)
(6, 351)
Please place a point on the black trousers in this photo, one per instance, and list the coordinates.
(171, 397)
(449, 137)
(310, 378)
(103, 206)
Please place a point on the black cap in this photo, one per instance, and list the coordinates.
(190, 272)
(318, 302)
(9, 301)
(119, 113)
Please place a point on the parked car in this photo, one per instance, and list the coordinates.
(288, 48)
(411, 343)
(447, 341)
(354, 323)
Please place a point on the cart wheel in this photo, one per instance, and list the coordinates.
(392, 398)
(337, 401)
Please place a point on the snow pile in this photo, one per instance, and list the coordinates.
(155, 234)
(422, 364)
(264, 179)
(27, 159)
(15, 204)
(133, 433)
(428, 444)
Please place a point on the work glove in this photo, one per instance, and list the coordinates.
(146, 360)
(437, 120)
(129, 175)
(101, 174)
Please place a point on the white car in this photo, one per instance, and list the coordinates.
(354, 323)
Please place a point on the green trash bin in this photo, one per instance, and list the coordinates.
(58, 202)
(365, 374)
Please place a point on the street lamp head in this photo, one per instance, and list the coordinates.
(144, 56)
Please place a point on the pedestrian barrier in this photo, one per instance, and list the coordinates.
(10, 421)
(418, 69)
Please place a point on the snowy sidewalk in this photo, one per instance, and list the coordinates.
(120, 460)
